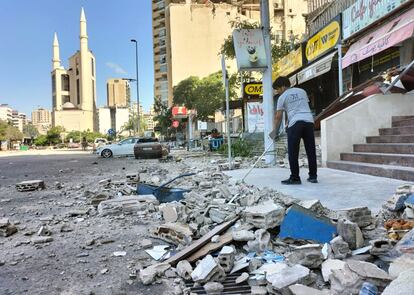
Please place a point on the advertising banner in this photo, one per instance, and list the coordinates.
(288, 64)
(365, 12)
(249, 48)
(255, 117)
(324, 40)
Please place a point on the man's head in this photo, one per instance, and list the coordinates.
(281, 84)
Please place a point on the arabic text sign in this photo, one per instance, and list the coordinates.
(288, 64)
(249, 48)
(365, 12)
(255, 117)
(324, 40)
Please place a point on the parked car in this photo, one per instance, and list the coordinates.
(123, 148)
(149, 147)
(98, 142)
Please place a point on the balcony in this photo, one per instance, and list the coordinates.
(278, 5)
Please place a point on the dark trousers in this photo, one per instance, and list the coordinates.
(301, 130)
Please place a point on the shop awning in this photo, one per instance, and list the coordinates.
(316, 69)
(388, 35)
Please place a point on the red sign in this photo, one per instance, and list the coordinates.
(179, 111)
(175, 124)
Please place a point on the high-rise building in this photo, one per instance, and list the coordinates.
(42, 120)
(6, 113)
(188, 34)
(18, 120)
(74, 89)
(118, 93)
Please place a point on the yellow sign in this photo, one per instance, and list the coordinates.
(324, 40)
(288, 64)
(253, 89)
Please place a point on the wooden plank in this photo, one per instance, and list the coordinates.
(196, 245)
(211, 247)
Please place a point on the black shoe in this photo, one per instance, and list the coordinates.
(291, 181)
(312, 180)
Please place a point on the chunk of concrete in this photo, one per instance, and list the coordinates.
(266, 215)
(213, 288)
(122, 205)
(396, 202)
(149, 274)
(300, 223)
(345, 281)
(340, 248)
(258, 290)
(226, 258)
(299, 289)
(369, 272)
(41, 240)
(243, 235)
(403, 285)
(381, 247)
(208, 270)
(176, 233)
(242, 278)
(351, 233)
(360, 215)
(409, 202)
(288, 276)
(401, 264)
(172, 211)
(261, 242)
(329, 265)
(184, 269)
(6, 228)
(307, 255)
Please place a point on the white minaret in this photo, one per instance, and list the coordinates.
(85, 67)
(56, 55)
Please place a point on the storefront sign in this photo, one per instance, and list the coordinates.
(175, 124)
(288, 64)
(316, 69)
(202, 126)
(249, 48)
(253, 89)
(324, 40)
(179, 111)
(365, 12)
(386, 36)
(255, 117)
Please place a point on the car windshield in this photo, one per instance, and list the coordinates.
(128, 141)
(148, 139)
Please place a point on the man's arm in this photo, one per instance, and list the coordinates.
(277, 122)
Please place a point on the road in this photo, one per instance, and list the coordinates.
(75, 262)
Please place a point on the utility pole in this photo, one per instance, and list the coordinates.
(226, 85)
(136, 68)
(267, 81)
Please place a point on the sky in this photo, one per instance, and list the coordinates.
(27, 28)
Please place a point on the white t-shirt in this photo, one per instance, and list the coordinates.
(295, 102)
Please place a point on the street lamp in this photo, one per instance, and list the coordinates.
(136, 68)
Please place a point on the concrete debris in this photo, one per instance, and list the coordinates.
(351, 233)
(176, 233)
(41, 240)
(340, 248)
(30, 185)
(146, 243)
(132, 178)
(6, 228)
(261, 242)
(208, 270)
(308, 255)
(290, 275)
(213, 288)
(360, 215)
(243, 235)
(258, 290)
(401, 264)
(44, 231)
(148, 275)
(266, 215)
(299, 289)
(172, 211)
(184, 269)
(381, 247)
(226, 258)
(242, 278)
(124, 205)
(329, 265)
(403, 285)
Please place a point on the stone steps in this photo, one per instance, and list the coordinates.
(402, 130)
(388, 148)
(396, 172)
(405, 160)
(405, 122)
(407, 138)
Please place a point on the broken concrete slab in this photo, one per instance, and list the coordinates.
(307, 255)
(261, 242)
(6, 228)
(403, 285)
(329, 265)
(226, 258)
(243, 235)
(300, 223)
(266, 215)
(360, 215)
(242, 278)
(41, 240)
(176, 233)
(30, 185)
(381, 247)
(208, 270)
(123, 205)
(213, 288)
(340, 248)
(351, 233)
(172, 211)
(288, 276)
(345, 281)
(401, 264)
(258, 290)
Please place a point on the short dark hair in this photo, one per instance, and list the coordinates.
(281, 82)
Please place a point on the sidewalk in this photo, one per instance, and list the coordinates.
(45, 152)
(336, 189)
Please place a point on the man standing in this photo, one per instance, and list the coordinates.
(295, 102)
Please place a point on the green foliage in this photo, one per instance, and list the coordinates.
(131, 124)
(30, 131)
(204, 95)
(53, 135)
(3, 127)
(239, 148)
(41, 140)
(77, 136)
(163, 116)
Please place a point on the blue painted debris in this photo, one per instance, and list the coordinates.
(301, 223)
(409, 202)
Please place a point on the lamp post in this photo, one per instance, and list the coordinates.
(136, 68)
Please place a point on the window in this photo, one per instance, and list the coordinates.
(65, 82)
(77, 91)
(65, 99)
(54, 101)
(93, 66)
(163, 68)
(93, 89)
(53, 83)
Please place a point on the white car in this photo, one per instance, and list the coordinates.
(123, 148)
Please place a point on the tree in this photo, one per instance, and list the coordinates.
(3, 127)
(77, 136)
(53, 135)
(185, 92)
(131, 124)
(41, 140)
(163, 116)
(30, 131)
